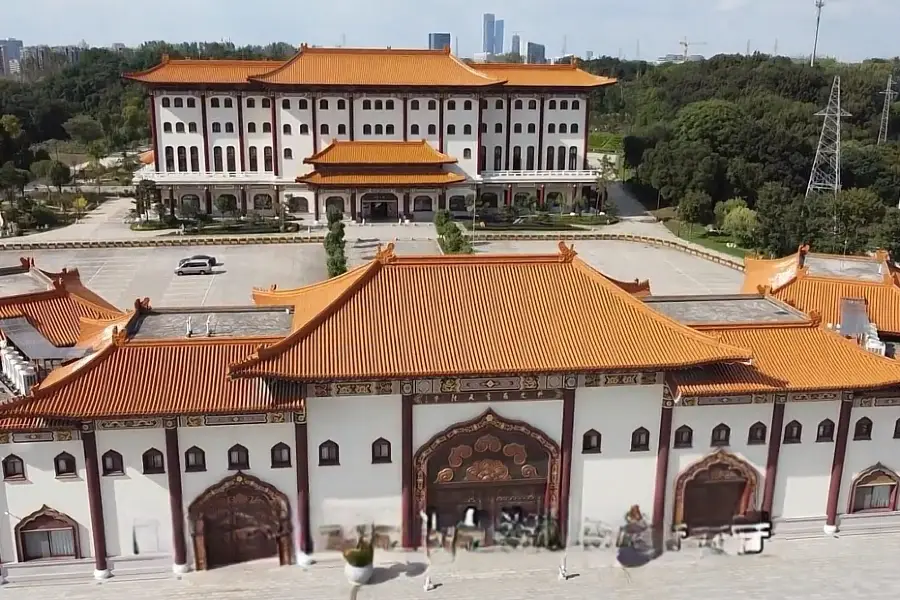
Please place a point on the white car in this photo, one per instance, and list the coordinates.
(194, 267)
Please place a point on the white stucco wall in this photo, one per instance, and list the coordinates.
(804, 469)
(421, 118)
(373, 117)
(300, 144)
(356, 491)
(333, 117)
(568, 117)
(862, 454)
(458, 142)
(224, 117)
(175, 115)
(702, 420)
(41, 486)
(605, 485)
(215, 442)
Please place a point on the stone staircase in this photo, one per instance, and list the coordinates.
(66, 572)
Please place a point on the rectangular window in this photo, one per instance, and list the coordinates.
(229, 157)
(254, 159)
(267, 159)
(195, 159)
(217, 159)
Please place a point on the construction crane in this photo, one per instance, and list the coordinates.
(687, 46)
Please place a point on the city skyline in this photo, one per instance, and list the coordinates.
(851, 29)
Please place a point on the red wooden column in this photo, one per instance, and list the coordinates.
(408, 518)
(478, 151)
(837, 465)
(276, 153)
(587, 125)
(663, 445)
(565, 448)
(95, 499)
(507, 195)
(440, 123)
(540, 195)
(204, 123)
(176, 496)
(315, 128)
(351, 125)
(301, 455)
(775, 434)
(240, 123)
(507, 151)
(155, 133)
(405, 118)
(540, 144)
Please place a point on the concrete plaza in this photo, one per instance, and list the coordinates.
(824, 569)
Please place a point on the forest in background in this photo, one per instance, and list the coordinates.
(726, 143)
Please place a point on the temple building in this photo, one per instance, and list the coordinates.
(216, 435)
(253, 133)
(857, 296)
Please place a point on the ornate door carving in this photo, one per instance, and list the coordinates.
(714, 490)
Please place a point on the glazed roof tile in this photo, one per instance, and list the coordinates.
(476, 314)
(531, 75)
(155, 378)
(26, 424)
(789, 358)
(817, 283)
(375, 67)
(383, 178)
(379, 153)
(204, 71)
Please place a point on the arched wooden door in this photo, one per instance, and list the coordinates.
(239, 519)
(492, 465)
(714, 490)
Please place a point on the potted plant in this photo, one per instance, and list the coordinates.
(359, 568)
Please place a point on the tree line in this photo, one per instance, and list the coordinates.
(740, 133)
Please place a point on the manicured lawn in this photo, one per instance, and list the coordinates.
(551, 226)
(698, 235)
(585, 220)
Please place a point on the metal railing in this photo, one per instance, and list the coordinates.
(579, 176)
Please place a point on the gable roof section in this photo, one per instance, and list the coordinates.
(788, 357)
(532, 75)
(376, 153)
(57, 312)
(126, 378)
(376, 67)
(204, 71)
(816, 283)
(423, 316)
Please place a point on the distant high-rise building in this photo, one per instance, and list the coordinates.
(535, 53)
(589, 55)
(13, 48)
(516, 44)
(438, 41)
(487, 34)
(498, 36)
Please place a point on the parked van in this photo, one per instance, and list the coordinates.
(194, 267)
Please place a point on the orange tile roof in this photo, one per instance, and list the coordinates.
(375, 67)
(530, 75)
(379, 153)
(204, 71)
(147, 158)
(20, 424)
(637, 288)
(789, 358)
(790, 282)
(128, 378)
(477, 314)
(383, 178)
(57, 312)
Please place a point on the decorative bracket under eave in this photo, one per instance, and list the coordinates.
(566, 253)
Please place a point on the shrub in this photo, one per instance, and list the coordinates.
(360, 557)
(44, 217)
(441, 218)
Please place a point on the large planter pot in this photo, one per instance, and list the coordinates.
(358, 575)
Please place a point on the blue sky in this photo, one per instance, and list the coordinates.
(851, 29)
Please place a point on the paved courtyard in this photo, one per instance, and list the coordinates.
(824, 569)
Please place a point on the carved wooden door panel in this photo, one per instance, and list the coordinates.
(221, 548)
(713, 503)
(253, 536)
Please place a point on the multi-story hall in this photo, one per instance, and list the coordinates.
(208, 436)
(378, 133)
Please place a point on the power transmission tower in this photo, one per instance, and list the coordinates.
(826, 170)
(819, 5)
(889, 95)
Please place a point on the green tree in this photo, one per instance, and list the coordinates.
(226, 204)
(781, 226)
(336, 263)
(695, 207)
(146, 196)
(80, 205)
(846, 223)
(11, 125)
(740, 223)
(40, 170)
(60, 174)
(84, 129)
(97, 150)
(722, 209)
(887, 235)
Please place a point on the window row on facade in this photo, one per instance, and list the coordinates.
(14, 467)
(592, 441)
(564, 158)
(330, 452)
(180, 127)
(756, 435)
(367, 104)
(182, 153)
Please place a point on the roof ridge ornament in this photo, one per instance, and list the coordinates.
(566, 253)
(815, 317)
(141, 304)
(385, 254)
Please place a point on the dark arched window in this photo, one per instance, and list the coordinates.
(517, 128)
(573, 128)
(192, 127)
(563, 128)
(179, 127)
(757, 434)
(13, 467)
(228, 103)
(266, 103)
(379, 129)
(721, 435)
(64, 464)
(498, 158)
(267, 128)
(286, 129)
(194, 460)
(498, 105)
(413, 129)
(451, 129)
(112, 464)
(551, 105)
(179, 103)
(342, 104)
(381, 451)
(286, 104)
(251, 103)
(367, 129)
(591, 442)
(467, 105)
(251, 127)
(288, 154)
(640, 440)
(229, 127)
(467, 153)
(793, 433)
(467, 130)
(563, 105)
(517, 158)
(304, 129)
(218, 165)
(498, 127)
(413, 105)
(551, 128)
(182, 159)
(303, 104)
(451, 104)
(217, 128)
(532, 105)
(379, 105)
(153, 462)
(825, 431)
(518, 105)
(329, 454)
(549, 163)
(342, 129)
(268, 159)
(432, 129)
(560, 158)
(323, 129)
(684, 437)
(367, 105)
(389, 129)
(573, 158)
(166, 103)
(253, 158)
(529, 158)
(323, 104)
(167, 128)
(576, 105)
(897, 429)
(170, 159)
(531, 128)
(195, 159)
(230, 159)
(281, 456)
(432, 105)
(863, 429)
(238, 458)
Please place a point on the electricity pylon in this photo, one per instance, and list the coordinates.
(826, 170)
(819, 5)
(889, 95)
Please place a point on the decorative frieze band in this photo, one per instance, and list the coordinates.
(870, 402)
(62, 435)
(501, 396)
(241, 419)
(768, 399)
(615, 379)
